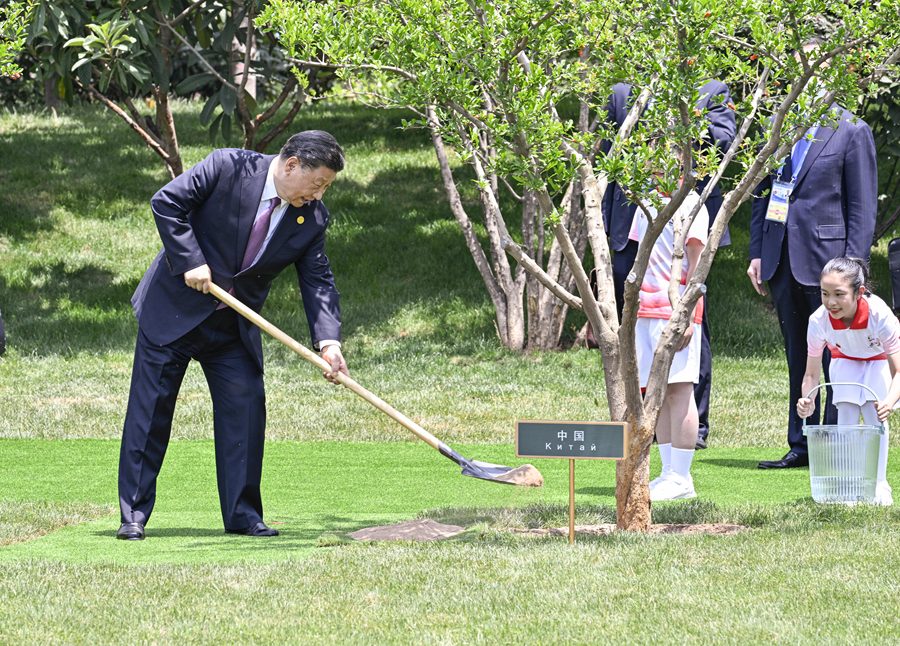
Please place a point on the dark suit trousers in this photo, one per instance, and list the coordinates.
(622, 264)
(794, 304)
(239, 418)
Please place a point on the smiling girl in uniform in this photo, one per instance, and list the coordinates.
(863, 336)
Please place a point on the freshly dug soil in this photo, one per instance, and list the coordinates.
(410, 530)
(524, 476)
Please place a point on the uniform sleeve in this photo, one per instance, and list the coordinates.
(861, 191)
(888, 330)
(606, 205)
(635, 233)
(321, 299)
(172, 207)
(700, 227)
(815, 334)
(722, 125)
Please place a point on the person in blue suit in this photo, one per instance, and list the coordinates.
(237, 218)
(830, 213)
(618, 212)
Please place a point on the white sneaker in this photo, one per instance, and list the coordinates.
(882, 494)
(662, 476)
(673, 487)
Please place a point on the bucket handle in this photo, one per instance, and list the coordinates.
(841, 383)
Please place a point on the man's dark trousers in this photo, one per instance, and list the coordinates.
(794, 304)
(239, 418)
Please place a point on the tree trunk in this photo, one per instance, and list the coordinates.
(50, 99)
(633, 483)
(510, 321)
(238, 53)
(546, 313)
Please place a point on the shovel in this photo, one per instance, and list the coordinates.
(525, 475)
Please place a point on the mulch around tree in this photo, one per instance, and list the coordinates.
(431, 530)
(661, 528)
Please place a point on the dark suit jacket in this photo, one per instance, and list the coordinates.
(204, 216)
(618, 211)
(832, 206)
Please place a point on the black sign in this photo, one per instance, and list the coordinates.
(588, 440)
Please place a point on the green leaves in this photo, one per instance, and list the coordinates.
(228, 99)
(13, 20)
(194, 82)
(109, 48)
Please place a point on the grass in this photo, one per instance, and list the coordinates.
(75, 237)
(324, 488)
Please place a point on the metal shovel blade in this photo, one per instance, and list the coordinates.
(525, 475)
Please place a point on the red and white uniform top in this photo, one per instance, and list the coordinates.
(859, 352)
(655, 288)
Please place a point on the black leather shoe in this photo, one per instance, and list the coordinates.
(259, 529)
(790, 461)
(701, 443)
(131, 532)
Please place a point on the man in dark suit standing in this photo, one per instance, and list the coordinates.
(829, 185)
(618, 213)
(238, 218)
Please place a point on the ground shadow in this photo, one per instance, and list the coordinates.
(732, 463)
(170, 532)
(74, 310)
(597, 491)
(292, 535)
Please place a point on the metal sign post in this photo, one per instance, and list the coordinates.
(572, 441)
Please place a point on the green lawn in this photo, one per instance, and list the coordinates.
(76, 235)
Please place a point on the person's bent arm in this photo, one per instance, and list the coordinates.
(885, 407)
(693, 251)
(806, 405)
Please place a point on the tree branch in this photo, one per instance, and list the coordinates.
(282, 96)
(151, 142)
(278, 129)
(184, 14)
(341, 66)
(203, 60)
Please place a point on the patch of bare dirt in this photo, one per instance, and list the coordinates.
(411, 530)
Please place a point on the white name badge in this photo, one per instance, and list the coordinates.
(779, 200)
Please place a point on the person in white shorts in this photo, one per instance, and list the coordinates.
(864, 338)
(676, 428)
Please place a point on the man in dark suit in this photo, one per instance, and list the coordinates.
(830, 213)
(238, 218)
(618, 212)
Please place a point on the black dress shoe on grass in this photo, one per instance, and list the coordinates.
(701, 444)
(790, 461)
(259, 529)
(131, 532)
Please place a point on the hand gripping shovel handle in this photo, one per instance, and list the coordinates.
(323, 365)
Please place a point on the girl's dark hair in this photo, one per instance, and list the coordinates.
(855, 270)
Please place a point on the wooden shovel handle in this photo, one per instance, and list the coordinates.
(323, 365)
